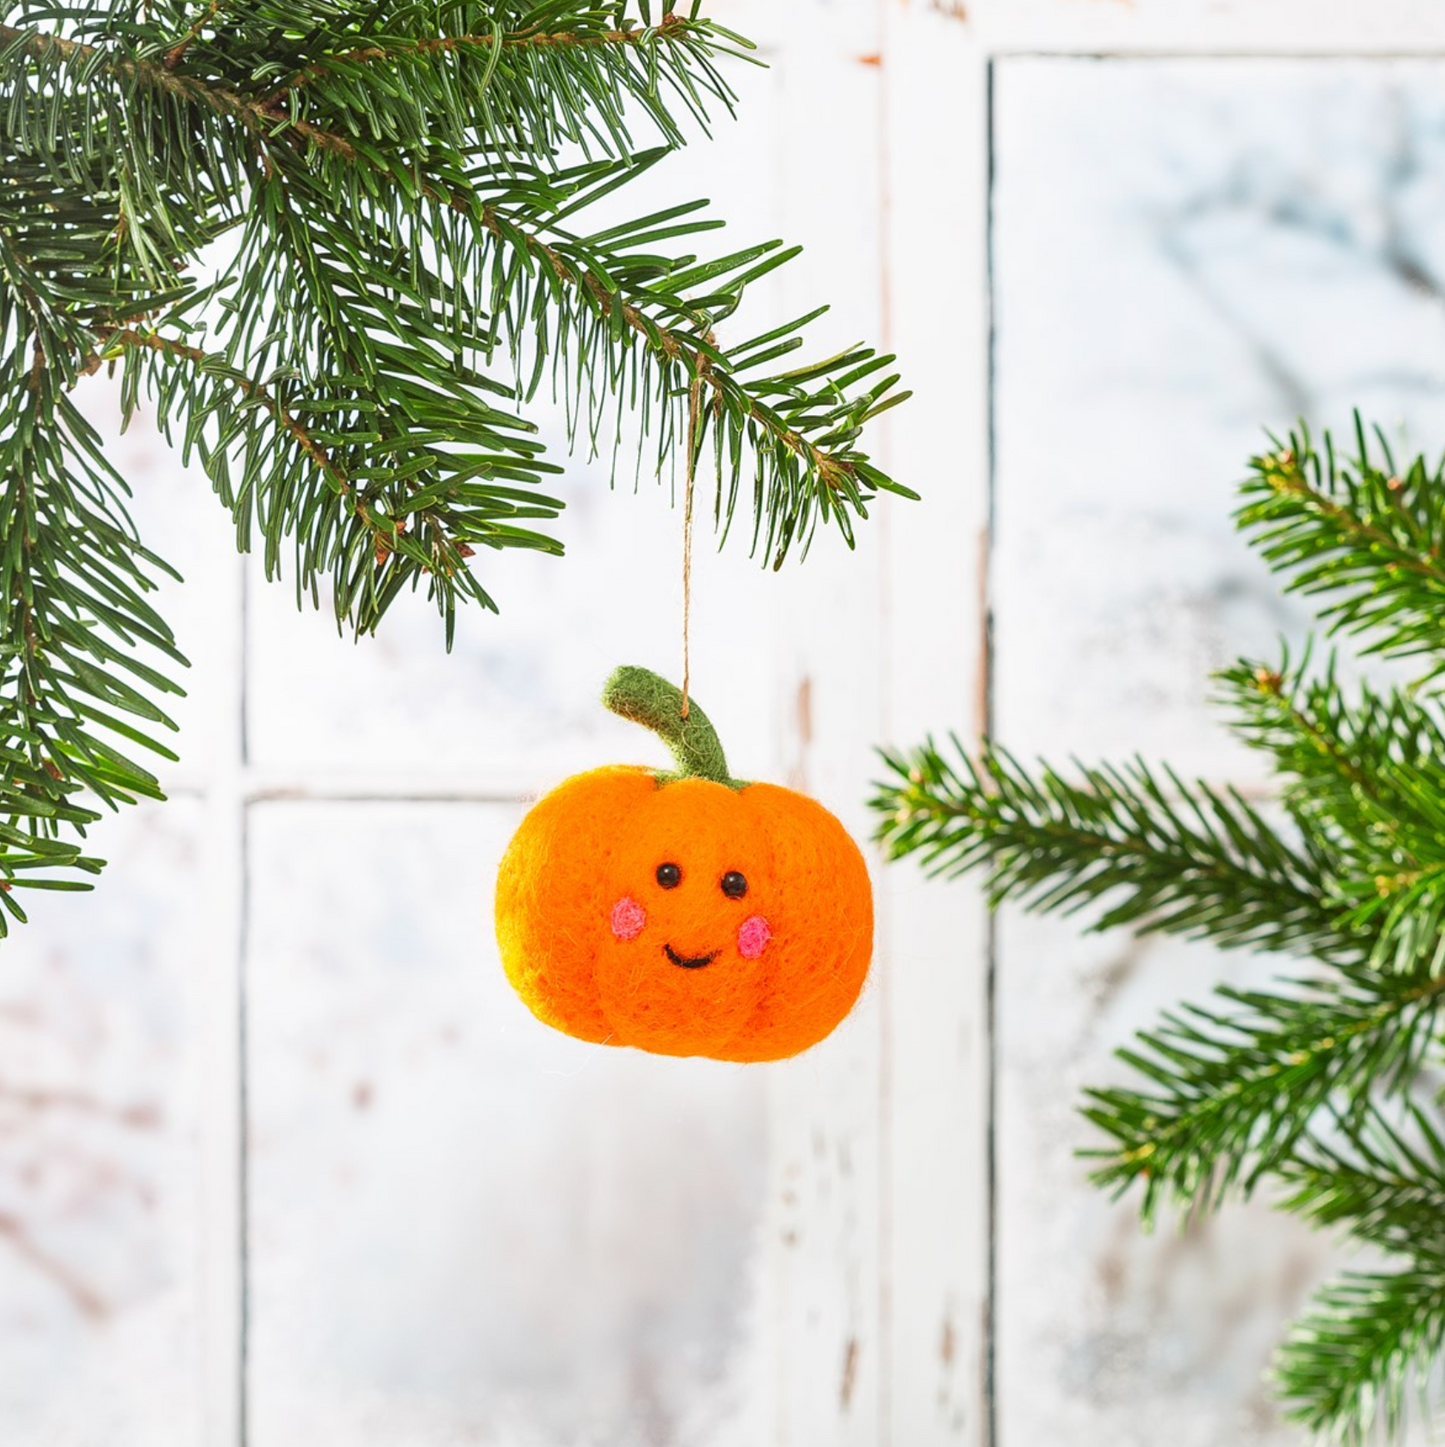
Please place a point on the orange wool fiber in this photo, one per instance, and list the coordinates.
(599, 946)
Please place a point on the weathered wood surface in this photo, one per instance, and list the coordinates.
(445, 1225)
(1264, 246)
(100, 1220)
(465, 1227)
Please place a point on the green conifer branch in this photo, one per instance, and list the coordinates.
(690, 44)
(1361, 767)
(1317, 1083)
(1366, 537)
(75, 625)
(1347, 1368)
(1159, 855)
(373, 534)
(406, 197)
(1230, 1096)
(1380, 1179)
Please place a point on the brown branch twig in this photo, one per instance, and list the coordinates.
(384, 534)
(174, 54)
(829, 468)
(340, 483)
(672, 25)
(266, 116)
(255, 115)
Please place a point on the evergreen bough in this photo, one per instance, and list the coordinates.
(1322, 1085)
(338, 247)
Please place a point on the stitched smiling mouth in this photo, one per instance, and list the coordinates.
(693, 964)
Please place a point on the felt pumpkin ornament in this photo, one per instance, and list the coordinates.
(683, 912)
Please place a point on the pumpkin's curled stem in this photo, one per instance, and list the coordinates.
(642, 696)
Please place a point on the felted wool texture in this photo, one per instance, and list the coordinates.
(821, 920)
(640, 695)
(599, 838)
(551, 888)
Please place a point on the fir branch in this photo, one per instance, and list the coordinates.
(603, 314)
(63, 271)
(174, 54)
(1382, 1180)
(310, 475)
(1314, 1082)
(672, 27)
(1336, 753)
(507, 92)
(1363, 534)
(795, 431)
(1160, 855)
(1231, 1095)
(255, 115)
(405, 224)
(74, 624)
(1363, 770)
(535, 79)
(1347, 1367)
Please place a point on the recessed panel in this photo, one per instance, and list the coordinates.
(1186, 254)
(464, 1226)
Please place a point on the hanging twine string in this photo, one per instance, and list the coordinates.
(694, 393)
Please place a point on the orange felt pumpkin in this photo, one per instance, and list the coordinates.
(683, 913)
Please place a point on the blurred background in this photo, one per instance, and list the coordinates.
(283, 1160)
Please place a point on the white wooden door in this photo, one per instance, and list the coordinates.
(281, 1159)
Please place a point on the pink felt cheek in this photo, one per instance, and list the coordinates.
(628, 917)
(753, 937)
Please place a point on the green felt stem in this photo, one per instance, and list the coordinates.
(640, 695)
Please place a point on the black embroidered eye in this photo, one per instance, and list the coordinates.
(669, 876)
(734, 885)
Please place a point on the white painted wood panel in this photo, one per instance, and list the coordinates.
(826, 1108)
(100, 1103)
(931, 679)
(657, 1252)
(514, 707)
(179, 517)
(465, 1226)
(1268, 249)
(120, 1284)
(1264, 246)
(1221, 27)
